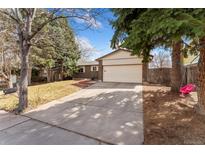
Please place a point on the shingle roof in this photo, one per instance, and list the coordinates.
(88, 63)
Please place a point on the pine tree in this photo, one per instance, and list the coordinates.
(167, 27)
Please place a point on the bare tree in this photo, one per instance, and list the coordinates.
(86, 49)
(161, 59)
(27, 29)
(8, 51)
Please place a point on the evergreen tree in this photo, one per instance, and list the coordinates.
(57, 48)
(167, 27)
(25, 20)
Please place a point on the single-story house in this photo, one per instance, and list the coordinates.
(88, 70)
(117, 66)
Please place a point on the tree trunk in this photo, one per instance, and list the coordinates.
(61, 72)
(24, 44)
(176, 67)
(29, 75)
(23, 83)
(145, 71)
(48, 75)
(201, 80)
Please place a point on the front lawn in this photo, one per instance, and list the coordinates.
(40, 94)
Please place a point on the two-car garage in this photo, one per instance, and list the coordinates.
(124, 73)
(121, 66)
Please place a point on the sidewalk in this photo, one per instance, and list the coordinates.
(16, 129)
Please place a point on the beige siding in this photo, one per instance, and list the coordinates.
(124, 61)
(121, 58)
(119, 54)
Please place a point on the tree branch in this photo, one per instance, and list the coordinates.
(52, 17)
(4, 75)
(9, 15)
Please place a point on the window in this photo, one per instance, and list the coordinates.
(94, 68)
(82, 70)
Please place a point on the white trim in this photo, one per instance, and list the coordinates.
(83, 67)
(92, 70)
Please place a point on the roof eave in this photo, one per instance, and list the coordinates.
(100, 58)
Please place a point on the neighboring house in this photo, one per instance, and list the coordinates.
(117, 66)
(191, 59)
(88, 70)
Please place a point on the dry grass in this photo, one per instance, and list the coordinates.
(40, 94)
(171, 119)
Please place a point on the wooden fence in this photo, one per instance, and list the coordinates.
(190, 74)
(162, 75)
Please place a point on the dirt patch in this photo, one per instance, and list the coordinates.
(171, 119)
(84, 83)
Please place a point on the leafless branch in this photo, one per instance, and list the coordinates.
(59, 14)
(3, 11)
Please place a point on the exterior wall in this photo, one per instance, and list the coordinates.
(190, 59)
(88, 73)
(122, 61)
(100, 71)
(121, 58)
(120, 54)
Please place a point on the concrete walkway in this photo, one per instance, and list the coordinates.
(104, 113)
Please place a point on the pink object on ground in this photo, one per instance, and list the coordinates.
(187, 89)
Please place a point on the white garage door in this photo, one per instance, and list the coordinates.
(123, 73)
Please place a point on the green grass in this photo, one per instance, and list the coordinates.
(39, 94)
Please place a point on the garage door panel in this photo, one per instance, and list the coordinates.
(123, 73)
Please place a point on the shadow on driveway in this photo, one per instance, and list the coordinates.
(110, 113)
(113, 115)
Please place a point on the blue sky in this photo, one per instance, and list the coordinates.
(98, 37)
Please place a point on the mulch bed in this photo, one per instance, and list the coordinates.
(84, 83)
(171, 119)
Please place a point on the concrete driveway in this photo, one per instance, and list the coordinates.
(104, 113)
